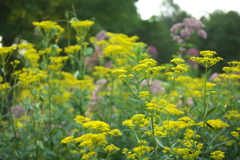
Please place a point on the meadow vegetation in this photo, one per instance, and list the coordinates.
(107, 98)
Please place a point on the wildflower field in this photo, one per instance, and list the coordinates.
(107, 98)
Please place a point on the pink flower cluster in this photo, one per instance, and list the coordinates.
(186, 29)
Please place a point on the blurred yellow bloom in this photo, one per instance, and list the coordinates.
(217, 155)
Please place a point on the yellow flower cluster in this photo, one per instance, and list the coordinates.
(207, 60)
(92, 141)
(236, 133)
(81, 119)
(81, 28)
(101, 71)
(143, 94)
(215, 123)
(57, 63)
(88, 156)
(140, 152)
(72, 49)
(217, 155)
(96, 139)
(171, 108)
(30, 76)
(189, 134)
(85, 23)
(191, 152)
(145, 65)
(32, 58)
(114, 50)
(232, 115)
(96, 126)
(5, 53)
(175, 126)
(48, 26)
(177, 61)
(104, 72)
(179, 69)
(139, 120)
(4, 87)
(25, 46)
(120, 48)
(111, 148)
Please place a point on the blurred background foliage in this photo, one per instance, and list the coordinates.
(223, 29)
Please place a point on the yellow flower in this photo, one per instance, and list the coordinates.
(152, 106)
(188, 134)
(88, 156)
(72, 49)
(97, 126)
(111, 148)
(177, 61)
(81, 119)
(91, 140)
(142, 150)
(143, 94)
(191, 152)
(207, 60)
(68, 139)
(128, 123)
(115, 132)
(235, 134)
(81, 28)
(25, 46)
(233, 114)
(85, 23)
(217, 155)
(215, 123)
(5, 53)
(48, 26)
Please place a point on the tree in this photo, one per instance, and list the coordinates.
(17, 16)
(156, 33)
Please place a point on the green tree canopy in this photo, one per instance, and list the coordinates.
(17, 16)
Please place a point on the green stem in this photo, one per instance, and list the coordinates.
(204, 95)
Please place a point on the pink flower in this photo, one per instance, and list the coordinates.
(192, 23)
(108, 64)
(202, 33)
(182, 49)
(186, 32)
(177, 38)
(214, 76)
(176, 27)
(152, 51)
(18, 111)
(101, 35)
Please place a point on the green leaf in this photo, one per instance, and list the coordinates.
(29, 106)
(74, 19)
(44, 43)
(40, 144)
(76, 74)
(88, 51)
(210, 111)
(219, 144)
(53, 32)
(183, 147)
(209, 125)
(51, 153)
(54, 48)
(159, 143)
